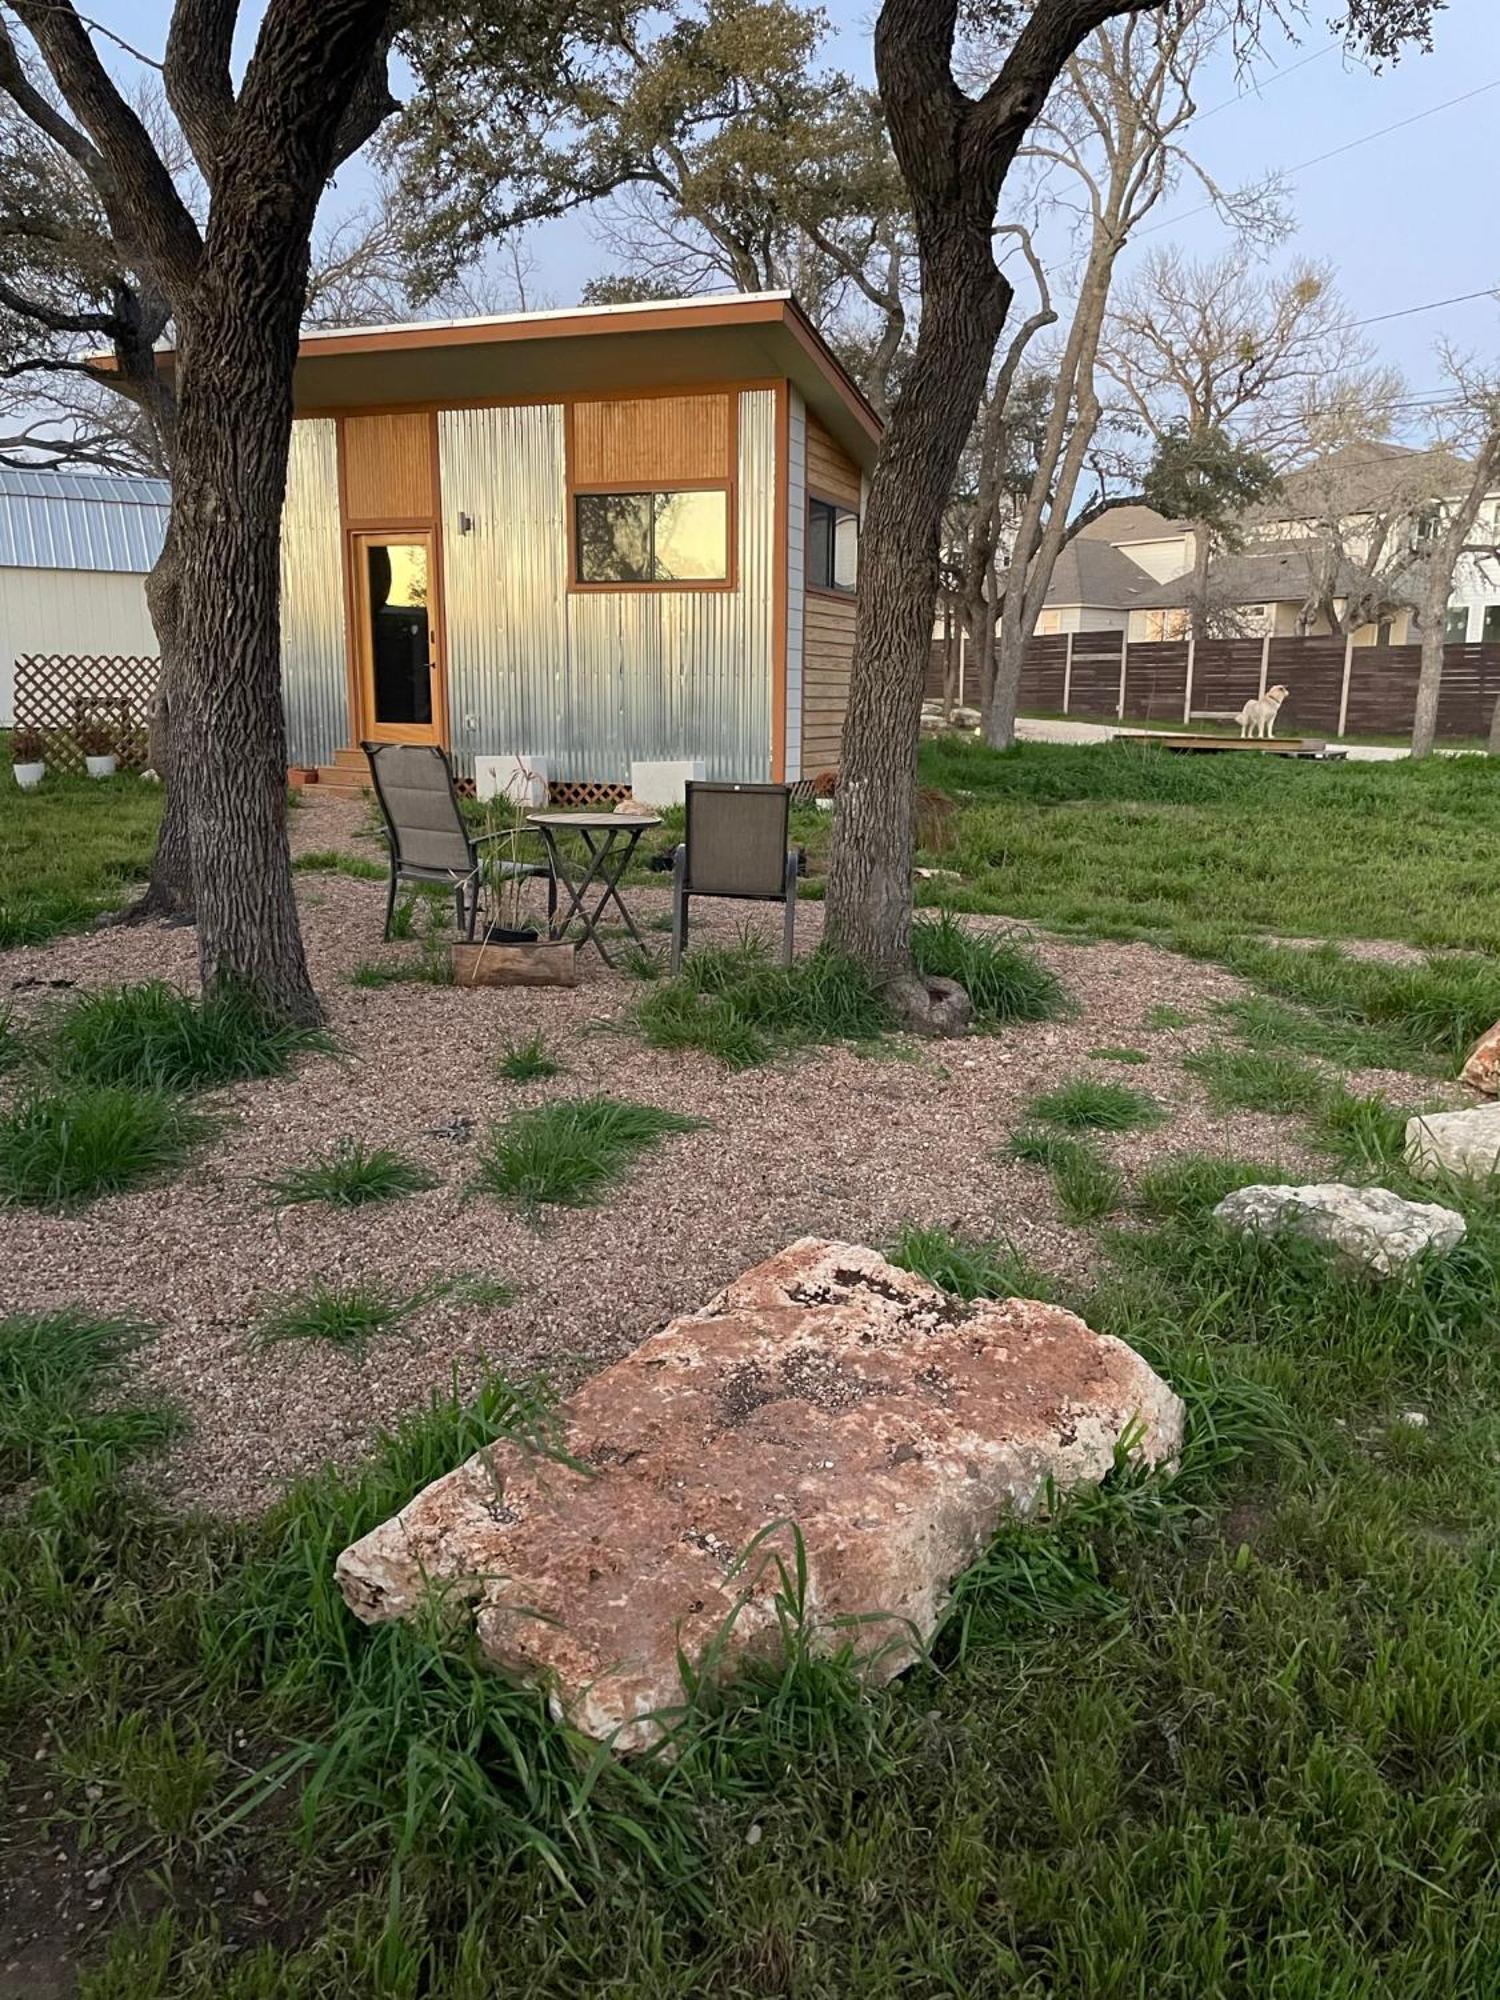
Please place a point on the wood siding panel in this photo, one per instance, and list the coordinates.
(827, 656)
(388, 468)
(652, 441)
(831, 472)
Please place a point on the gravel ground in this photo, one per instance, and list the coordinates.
(832, 1142)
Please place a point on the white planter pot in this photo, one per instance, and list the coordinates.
(29, 776)
(825, 805)
(100, 767)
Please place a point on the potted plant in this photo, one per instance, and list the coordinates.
(97, 742)
(26, 756)
(508, 950)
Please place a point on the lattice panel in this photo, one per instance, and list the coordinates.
(58, 693)
(581, 795)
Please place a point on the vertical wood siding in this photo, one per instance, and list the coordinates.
(651, 441)
(388, 468)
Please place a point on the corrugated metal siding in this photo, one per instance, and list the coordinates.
(796, 578)
(75, 520)
(505, 580)
(314, 683)
(592, 680)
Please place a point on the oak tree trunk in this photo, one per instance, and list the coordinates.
(235, 357)
(169, 888)
(1429, 688)
(869, 880)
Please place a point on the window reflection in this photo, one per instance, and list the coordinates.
(681, 536)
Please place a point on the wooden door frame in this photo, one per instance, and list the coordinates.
(362, 692)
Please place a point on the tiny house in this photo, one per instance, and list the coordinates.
(591, 538)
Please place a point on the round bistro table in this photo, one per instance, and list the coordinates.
(609, 841)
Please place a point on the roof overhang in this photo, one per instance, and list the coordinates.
(586, 350)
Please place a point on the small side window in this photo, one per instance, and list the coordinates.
(832, 547)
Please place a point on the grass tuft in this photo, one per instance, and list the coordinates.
(155, 1037)
(570, 1152)
(1005, 981)
(528, 1061)
(1087, 1186)
(1119, 1055)
(344, 1315)
(1435, 1010)
(67, 1145)
(351, 1174)
(13, 1050)
(1162, 1019)
(1257, 1080)
(738, 1004)
(61, 1380)
(1190, 1184)
(1086, 1105)
(969, 1268)
(333, 861)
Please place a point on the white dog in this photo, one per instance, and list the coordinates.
(1258, 718)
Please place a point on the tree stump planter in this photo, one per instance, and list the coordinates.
(541, 964)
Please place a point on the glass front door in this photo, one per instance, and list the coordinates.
(396, 637)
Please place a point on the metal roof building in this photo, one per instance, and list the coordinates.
(74, 551)
(80, 520)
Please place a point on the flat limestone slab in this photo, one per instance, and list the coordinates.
(1369, 1226)
(893, 1424)
(1465, 1144)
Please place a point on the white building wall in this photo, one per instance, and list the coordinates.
(1080, 618)
(68, 611)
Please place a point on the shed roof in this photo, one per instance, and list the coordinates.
(581, 350)
(53, 519)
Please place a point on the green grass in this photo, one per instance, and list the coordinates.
(739, 1004)
(1190, 1184)
(13, 1050)
(571, 1152)
(1119, 1055)
(64, 1145)
(1433, 1011)
(1086, 1105)
(334, 861)
(154, 1036)
(69, 850)
(527, 1061)
(346, 1315)
(1257, 1080)
(968, 1268)
(1005, 980)
(1162, 1019)
(1259, 1689)
(1125, 841)
(351, 1174)
(1086, 1185)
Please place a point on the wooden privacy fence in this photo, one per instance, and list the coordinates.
(1336, 689)
(60, 693)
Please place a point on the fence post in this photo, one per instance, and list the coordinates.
(1187, 690)
(963, 659)
(1265, 665)
(1344, 690)
(1068, 674)
(1124, 668)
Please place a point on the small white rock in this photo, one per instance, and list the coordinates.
(1370, 1226)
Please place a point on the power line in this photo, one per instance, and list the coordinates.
(1406, 312)
(1277, 76)
(1337, 152)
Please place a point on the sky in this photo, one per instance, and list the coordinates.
(1406, 219)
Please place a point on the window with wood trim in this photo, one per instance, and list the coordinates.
(659, 537)
(651, 491)
(832, 547)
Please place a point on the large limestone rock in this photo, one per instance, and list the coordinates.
(1369, 1226)
(894, 1425)
(1482, 1071)
(1465, 1144)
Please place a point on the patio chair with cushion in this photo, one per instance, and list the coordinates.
(428, 837)
(736, 846)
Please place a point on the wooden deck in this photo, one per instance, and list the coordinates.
(1263, 746)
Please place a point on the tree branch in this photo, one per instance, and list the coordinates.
(196, 75)
(137, 179)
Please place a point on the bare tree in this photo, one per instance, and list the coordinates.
(233, 286)
(1469, 425)
(1113, 132)
(1211, 350)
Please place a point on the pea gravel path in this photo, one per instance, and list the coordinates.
(833, 1142)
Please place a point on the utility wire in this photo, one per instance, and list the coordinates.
(1337, 152)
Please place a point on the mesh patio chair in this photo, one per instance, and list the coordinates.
(428, 838)
(736, 846)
